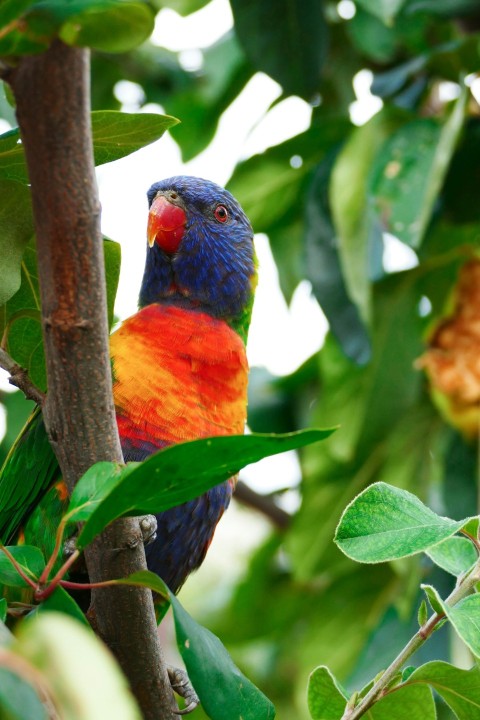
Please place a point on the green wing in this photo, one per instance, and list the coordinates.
(29, 470)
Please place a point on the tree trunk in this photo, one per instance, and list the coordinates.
(53, 109)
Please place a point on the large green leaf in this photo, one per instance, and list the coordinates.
(107, 25)
(385, 523)
(114, 134)
(351, 206)
(16, 229)
(459, 688)
(324, 270)
(413, 702)
(286, 39)
(225, 693)
(174, 475)
(409, 171)
(12, 9)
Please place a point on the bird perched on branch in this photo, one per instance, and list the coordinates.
(179, 371)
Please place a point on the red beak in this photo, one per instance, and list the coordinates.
(166, 224)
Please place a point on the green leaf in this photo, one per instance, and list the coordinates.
(422, 616)
(409, 171)
(109, 25)
(465, 618)
(16, 229)
(20, 315)
(30, 560)
(456, 555)
(225, 693)
(170, 477)
(292, 51)
(87, 680)
(324, 270)
(350, 204)
(3, 609)
(113, 259)
(385, 10)
(459, 688)
(410, 702)
(433, 598)
(326, 700)
(386, 523)
(115, 134)
(18, 700)
(61, 601)
(12, 9)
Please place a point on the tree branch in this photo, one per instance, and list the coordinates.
(53, 109)
(264, 504)
(19, 378)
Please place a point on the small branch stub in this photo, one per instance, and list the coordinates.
(20, 379)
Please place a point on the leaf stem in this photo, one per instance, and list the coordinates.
(380, 688)
(18, 568)
(53, 557)
(44, 593)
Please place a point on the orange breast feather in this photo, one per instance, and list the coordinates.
(178, 375)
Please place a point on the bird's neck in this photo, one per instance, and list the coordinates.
(171, 282)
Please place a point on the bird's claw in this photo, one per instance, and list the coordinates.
(181, 684)
(148, 527)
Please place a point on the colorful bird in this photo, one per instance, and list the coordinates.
(179, 371)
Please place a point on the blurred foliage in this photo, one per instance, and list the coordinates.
(330, 199)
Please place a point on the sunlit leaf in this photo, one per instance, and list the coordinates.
(385, 523)
(456, 555)
(459, 688)
(171, 476)
(325, 698)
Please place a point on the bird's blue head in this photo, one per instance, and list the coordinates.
(200, 252)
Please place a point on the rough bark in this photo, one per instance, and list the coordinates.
(53, 110)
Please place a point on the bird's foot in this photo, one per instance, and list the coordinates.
(181, 684)
(148, 526)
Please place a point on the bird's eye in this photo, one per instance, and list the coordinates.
(221, 213)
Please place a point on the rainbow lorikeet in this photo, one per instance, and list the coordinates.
(179, 371)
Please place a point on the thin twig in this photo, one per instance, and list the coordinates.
(20, 379)
(264, 504)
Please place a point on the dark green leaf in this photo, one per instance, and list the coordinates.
(113, 258)
(30, 560)
(291, 51)
(325, 698)
(61, 601)
(386, 523)
(407, 175)
(16, 229)
(350, 203)
(11, 10)
(174, 475)
(385, 10)
(18, 700)
(225, 693)
(3, 609)
(324, 270)
(109, 26)
(459, 688)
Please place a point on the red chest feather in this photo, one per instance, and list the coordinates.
(178, 375)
